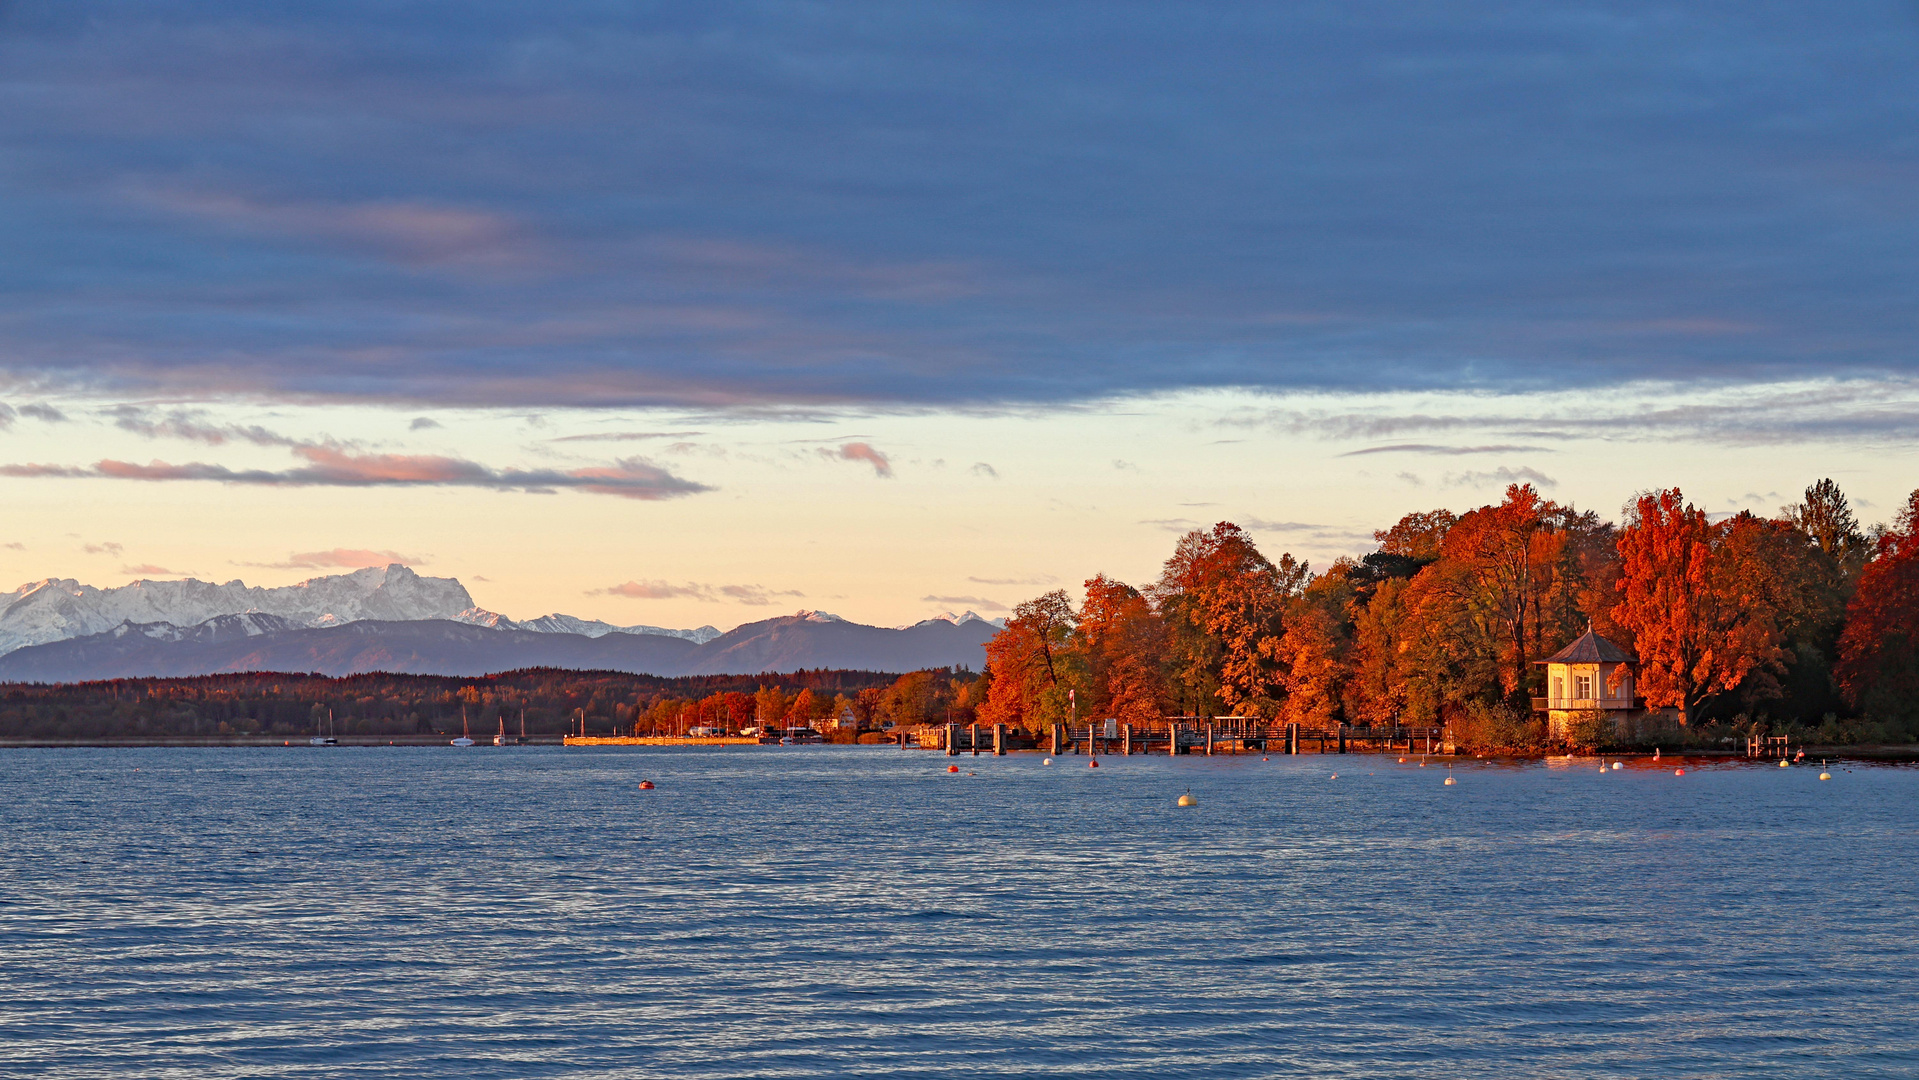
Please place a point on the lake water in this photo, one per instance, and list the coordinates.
(854, 911)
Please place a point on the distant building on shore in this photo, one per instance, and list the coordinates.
(1591, 675)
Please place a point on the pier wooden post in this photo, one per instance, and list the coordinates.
(1172, 738)
(1292, 738)
(1342, 738)
(999, 740)
(952, 740)
(1209, 740)
(973, 738)
(1126, 739)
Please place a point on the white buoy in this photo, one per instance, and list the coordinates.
(1616, 765)
(1450, 781)
(1048, 761)
(1335, 776)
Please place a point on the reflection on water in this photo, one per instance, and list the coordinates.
(839, 911)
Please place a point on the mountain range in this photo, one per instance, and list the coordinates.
(392, 619)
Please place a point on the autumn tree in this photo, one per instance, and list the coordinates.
(1121, 643)
(1707, 604)
(1223, 601)
(1878, 665)
(1314, 653)
(1026, 657)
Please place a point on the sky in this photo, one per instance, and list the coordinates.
(699, 313)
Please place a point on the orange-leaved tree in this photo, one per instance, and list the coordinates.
(1028, 686)
(1878, 667)
(1223, 601)
(1703, 612)
(1121, 645)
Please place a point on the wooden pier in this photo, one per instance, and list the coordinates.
(666, 740)
(1187, 735)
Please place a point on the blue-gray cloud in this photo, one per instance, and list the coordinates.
(713, 205)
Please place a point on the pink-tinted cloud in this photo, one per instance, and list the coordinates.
(108, 548)
(859, 451)
(411, 233)
(334, 466)
(149, 568)
(340, 558)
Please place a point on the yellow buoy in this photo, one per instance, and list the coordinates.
(1784, 764)
(1825, 776)
(1188, 800)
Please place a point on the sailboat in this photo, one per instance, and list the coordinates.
(466, 736)
(500, 739)
(329, 739)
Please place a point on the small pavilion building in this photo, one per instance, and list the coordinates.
(1590, 675)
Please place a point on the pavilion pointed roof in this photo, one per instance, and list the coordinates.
(1589, 648)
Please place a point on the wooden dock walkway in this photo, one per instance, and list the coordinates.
(1186, 735)
(665, 740)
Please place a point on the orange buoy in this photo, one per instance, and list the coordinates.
(1093, 764)
(952, 768)
(1679, 772)
(646, 785)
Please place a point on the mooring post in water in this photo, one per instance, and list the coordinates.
(1172, 738)
(999, 740)
(972, 737)
(952, 740)
(1126, 739)
(1342, 737)
(1209, 740)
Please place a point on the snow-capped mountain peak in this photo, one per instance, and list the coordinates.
(817, 616)
(557, 623)
(56, 609)
(958, 620)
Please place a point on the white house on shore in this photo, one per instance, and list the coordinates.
(1590, 675)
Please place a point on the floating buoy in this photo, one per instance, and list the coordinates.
(1188, 800)
(1784, 764)
(1048, 761)
(1655, 753)
(1825, 776)
(1335, 776)
(1402, 761)
(1616, 765)
(646, 785)
(1093, 764)
(1679, 772)
(1450, 781)
(952, 768)
(1265, 759)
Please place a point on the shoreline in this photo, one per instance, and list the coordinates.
(1880, 753)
